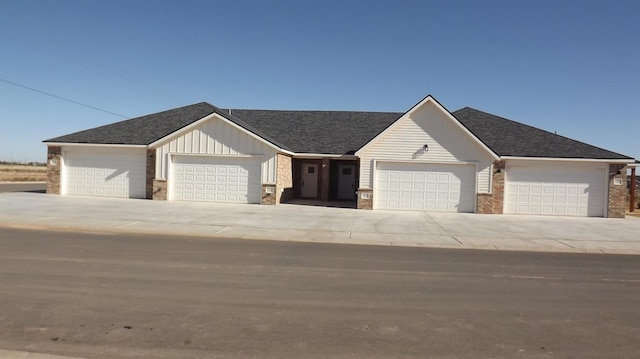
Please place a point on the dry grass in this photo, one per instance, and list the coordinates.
(22, 173)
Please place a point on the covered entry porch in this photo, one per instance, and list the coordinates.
(324, 180)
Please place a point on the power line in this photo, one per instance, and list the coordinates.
(121, 77)
(62, 98)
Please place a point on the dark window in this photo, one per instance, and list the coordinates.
(311, 170)
(346, 171)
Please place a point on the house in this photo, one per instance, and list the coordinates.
(424, 159)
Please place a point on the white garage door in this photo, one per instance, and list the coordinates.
(216, 179)
(431, 187)
(563, 191)
(105, 175)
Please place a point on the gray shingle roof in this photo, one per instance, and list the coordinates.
(150, 128)
(141, 130)
(328, 132)
(337, 132)
(509, 138)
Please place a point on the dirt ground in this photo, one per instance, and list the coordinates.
(22, 173)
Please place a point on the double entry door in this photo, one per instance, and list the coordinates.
(346, 181)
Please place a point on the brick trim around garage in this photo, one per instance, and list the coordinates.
(617, 203)
(54, 165)
(151, 173)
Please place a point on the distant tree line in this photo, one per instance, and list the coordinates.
(23, 163)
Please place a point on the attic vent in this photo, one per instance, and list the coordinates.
(229, 111)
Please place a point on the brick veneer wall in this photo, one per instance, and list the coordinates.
(268, 198)
(485, 203)
(363, 203)
(493, 203)
(617, 205)
(54, 164)
(497, 187)
(151, 173)
(284, 181)
(159, 190)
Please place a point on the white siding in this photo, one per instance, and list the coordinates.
(215, 137)
(427, 125)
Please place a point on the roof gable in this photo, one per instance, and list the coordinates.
(407, 117)
(513, 139)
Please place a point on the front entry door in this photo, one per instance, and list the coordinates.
(346, 182)
(309, 181)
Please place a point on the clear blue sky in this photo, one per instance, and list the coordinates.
(571, 66)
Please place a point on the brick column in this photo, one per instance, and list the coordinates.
(365, 198)
(284, 180)
(497, 187)
(485, 203)
(268, 194)
(54, 165)
(159, 190)
(151, 173)
(617, 205)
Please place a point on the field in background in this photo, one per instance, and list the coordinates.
(23, 173)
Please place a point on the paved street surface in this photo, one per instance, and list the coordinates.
(140, 296)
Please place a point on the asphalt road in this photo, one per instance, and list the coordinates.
(123, 296)
(23, 187)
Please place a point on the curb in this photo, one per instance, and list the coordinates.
(331, 237)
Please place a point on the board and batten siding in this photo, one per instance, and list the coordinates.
(215, 137)
(427, 125)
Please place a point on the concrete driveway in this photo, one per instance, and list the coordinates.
(295, 222)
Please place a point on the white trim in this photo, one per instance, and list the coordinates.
(92, 145)
(607, 190)
(551, 159)
(431, 99)
(324, 155)
(212, 155)
(63, 172)
(192, 125)
(430, 162)
(373, 174)
(491, 169)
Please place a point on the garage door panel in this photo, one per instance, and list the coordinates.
(435, 187)
(555, 191)
(108, 175)
(216, 179)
